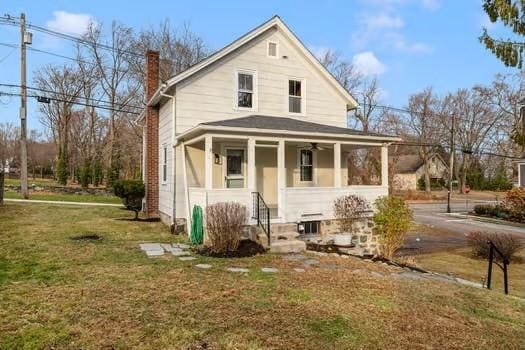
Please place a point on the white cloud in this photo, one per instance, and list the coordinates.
(400, 43)
(368, 64)
(382, 21)
(70, 23)
(431, 4)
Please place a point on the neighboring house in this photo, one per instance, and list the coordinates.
(409, 168)
(259, 119)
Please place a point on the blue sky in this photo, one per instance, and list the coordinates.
(408, 44)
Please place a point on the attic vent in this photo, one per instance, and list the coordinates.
(272, 49)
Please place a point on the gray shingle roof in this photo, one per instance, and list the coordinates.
(287, 124)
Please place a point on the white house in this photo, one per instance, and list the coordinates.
(260, 122)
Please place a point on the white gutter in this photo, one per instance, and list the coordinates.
(160, 91)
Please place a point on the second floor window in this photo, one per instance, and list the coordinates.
(294, 96)
(245, 90)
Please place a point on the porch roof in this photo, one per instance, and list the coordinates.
(276, 125)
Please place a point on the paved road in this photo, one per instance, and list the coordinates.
(444, 231)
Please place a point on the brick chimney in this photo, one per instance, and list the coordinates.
(151, 151)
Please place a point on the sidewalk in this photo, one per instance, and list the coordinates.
(61, 202)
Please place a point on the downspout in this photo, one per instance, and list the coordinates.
(173, 138)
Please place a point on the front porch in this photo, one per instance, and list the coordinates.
(298, 178)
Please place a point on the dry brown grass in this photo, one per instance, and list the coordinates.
(60, 293)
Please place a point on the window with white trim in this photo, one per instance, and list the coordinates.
(273, 49)
(295, 98)
(306, 165)
(245, 90)
(164, 163)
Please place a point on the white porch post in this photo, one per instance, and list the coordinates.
(251, 164)
(281, 180)
(337, 165)
(384, 165)
(208, 162)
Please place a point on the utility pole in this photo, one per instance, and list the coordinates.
(25, 38)
(451, 162)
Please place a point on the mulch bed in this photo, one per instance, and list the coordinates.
(246, 248)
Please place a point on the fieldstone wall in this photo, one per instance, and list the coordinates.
(364, 235)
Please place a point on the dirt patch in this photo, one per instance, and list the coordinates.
(246, 248)
(87, 237)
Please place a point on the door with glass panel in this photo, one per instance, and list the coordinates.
(235, 176)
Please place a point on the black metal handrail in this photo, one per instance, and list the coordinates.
(492, 249)
(261, 213)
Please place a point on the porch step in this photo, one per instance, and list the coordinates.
(288, 235)
(287, 246)
(283, 228)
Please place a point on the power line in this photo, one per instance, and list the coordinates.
(12, 21)
(463, 150)
(2, 93)
(72, 96)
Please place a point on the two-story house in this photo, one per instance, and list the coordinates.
(260, 122)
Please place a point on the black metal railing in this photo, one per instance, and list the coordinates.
(261, 213)
(493, 249)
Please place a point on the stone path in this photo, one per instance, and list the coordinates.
(181, 251)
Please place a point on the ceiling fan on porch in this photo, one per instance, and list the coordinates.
(314, 146)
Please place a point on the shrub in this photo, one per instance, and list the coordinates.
(349, 208)
(392, 218)
(224, 222)
(435, 184)
(514, 202)
(131, 192)
(497, 211)
(506, 243)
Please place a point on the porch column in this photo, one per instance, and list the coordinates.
(208, 162)
(281, 180)
(337, 165)
(251, 164)
(384, 165)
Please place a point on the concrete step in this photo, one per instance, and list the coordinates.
(286, 246)
(289, 235)
(280, 228)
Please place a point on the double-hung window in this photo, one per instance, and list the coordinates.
(295, 96)
(164, 163)
(245, 90)
(306, 165)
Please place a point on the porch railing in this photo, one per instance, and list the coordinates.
(261, 213)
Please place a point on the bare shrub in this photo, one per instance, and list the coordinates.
(514, 202)
(348, 209)
(393, 218)
(224, 222)
(506, 243)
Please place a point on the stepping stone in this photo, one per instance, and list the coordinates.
(376, 274)
(180, 253)
(269, 269)
(299, 270)
(187, 258)
(237, 269)
(154, 252)
(203, 266)
(167, 247)
(329, 266)
(295, 257)
(357, 271)
(181, 245)
(309, 262)
(150, 246)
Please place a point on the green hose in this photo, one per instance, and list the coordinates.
(197, 231)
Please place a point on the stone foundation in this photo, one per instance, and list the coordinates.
(364, 235)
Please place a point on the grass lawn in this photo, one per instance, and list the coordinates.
(58, 293)
(30, 181)
(64, 197)
(460, 263)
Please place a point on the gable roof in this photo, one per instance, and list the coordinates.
(275, 21)
(410, 163)
(276, 125)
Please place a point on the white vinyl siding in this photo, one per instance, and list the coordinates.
(165, 149)
(209, 94)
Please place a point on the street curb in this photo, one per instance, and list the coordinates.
(485, 219)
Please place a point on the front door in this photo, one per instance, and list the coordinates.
(235, 176)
